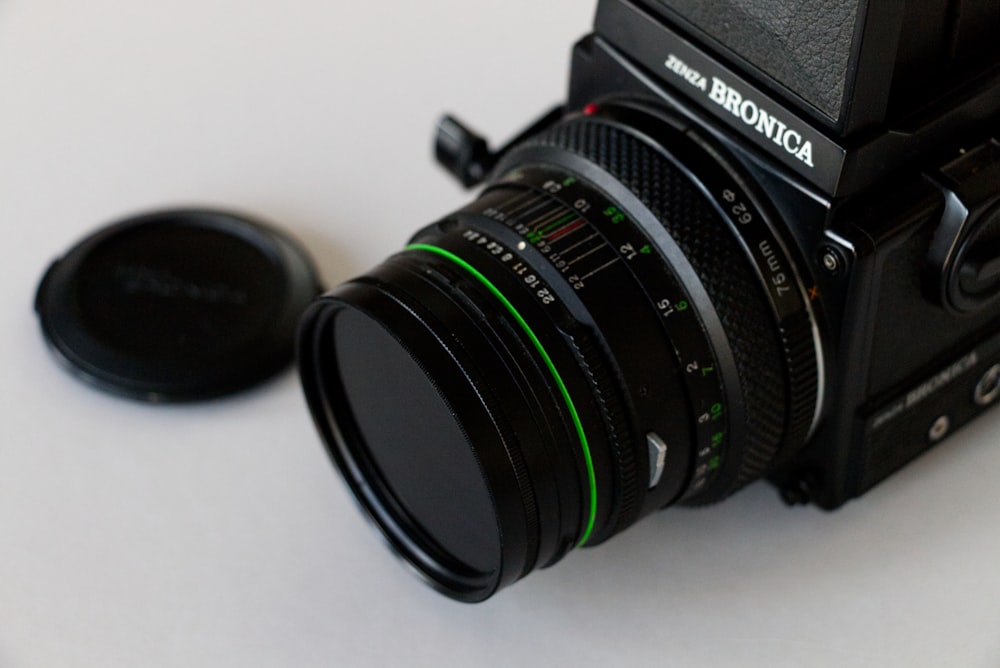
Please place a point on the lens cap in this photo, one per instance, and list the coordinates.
(177, 305)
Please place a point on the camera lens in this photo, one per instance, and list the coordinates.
(614, 326)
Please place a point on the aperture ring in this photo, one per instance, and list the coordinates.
(771, 337)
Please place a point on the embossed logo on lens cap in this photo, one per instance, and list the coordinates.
(177, 305)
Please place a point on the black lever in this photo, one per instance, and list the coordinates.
(467, 156)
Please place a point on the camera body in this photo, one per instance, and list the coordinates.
(760, 239)
(890, 199)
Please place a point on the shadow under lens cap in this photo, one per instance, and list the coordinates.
(177, 305)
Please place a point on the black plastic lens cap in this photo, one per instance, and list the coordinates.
(177, 305)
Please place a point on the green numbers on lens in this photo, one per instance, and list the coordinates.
(712, 414)
(667, 307)
(614, 215)
(694, 367)
(714, 463)
(717, 438)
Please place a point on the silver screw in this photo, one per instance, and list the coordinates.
(939, 429)
(831, 262)
(988, 388)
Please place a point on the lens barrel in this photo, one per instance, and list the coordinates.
(614, 326)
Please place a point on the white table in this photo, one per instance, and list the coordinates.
(218, 535)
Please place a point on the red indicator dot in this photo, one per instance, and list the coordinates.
(590, 109)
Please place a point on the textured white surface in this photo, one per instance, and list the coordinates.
(218, 535)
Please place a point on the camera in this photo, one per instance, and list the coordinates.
(760, 239)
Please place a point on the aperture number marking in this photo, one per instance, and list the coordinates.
(520, 269)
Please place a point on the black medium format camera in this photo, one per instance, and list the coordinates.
(761, 239)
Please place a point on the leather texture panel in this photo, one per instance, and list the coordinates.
(805, 45)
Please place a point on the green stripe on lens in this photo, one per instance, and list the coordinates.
(526, 328)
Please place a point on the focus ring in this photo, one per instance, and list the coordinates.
(722, 266)
(626, 509)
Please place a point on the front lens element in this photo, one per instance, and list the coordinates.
(420, 453)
